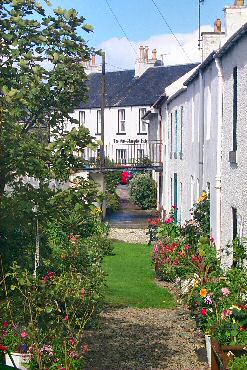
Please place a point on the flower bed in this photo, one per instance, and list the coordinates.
(216, 298)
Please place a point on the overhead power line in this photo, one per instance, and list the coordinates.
(121, 27)
(170, 29)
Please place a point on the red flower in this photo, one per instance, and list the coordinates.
(5, 324)
(204, 311)
(66, 318)
(3, 348)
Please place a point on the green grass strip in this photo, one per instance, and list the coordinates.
(130, 281)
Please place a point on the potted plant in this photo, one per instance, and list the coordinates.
(16, 339)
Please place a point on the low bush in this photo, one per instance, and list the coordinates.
(143, 191)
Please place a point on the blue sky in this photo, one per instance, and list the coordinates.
(142, 23)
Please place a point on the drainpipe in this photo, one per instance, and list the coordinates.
(201, 132)
(165, 160)
(217, 236)
(160, 202)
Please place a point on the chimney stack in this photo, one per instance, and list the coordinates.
(154, 54)
(217, 26)
(146, 53)
(141, 53)
(239, 3)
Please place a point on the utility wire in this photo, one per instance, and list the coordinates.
(122, 29)
(170, 29)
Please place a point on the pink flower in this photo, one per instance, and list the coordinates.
(174, 206)
(66, 318)
(187, 247)
(74, 354)
(225, 292)
(169, 220)
(72, 341)
(204, 311)
(4, 333)
(24, 334)
(226, 313)
(208, 300)
(211, 239)
(5, 324)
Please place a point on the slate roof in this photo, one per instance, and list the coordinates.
(124, 90)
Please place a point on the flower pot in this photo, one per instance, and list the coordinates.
(20, 359)
(221, 355)
(208, 348)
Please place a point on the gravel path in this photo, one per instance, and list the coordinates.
(129, 235)
(145, 339)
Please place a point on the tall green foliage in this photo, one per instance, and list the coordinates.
(42, 80)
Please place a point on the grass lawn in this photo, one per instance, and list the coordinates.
(130, 280)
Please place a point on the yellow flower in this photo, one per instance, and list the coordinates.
(196, 284)
(203, 293)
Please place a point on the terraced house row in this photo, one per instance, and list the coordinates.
(203, 117)
(189, 121)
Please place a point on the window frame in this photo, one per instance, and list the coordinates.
(82, 122)
(120, 121)
(141, 123)
(98, 126)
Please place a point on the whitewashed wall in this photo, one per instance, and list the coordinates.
(200, 113)
(234, 176)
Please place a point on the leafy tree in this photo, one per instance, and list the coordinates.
(42, 80)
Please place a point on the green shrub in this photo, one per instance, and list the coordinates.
(238, 363)
(143, 191)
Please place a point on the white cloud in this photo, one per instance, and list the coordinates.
(120, 54)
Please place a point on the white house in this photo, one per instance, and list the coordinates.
(204, 131)
(129, 94)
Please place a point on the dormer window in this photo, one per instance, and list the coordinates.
(121, 122)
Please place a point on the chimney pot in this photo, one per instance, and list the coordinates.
(93, 60)
(239, 3)
(154, 54)
(146, 53)
(141, 53)
(217, 26)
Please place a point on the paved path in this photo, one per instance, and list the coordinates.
(129, 216)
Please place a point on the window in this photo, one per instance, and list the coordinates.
(181, 130)
(171, 192)
(81, 117)
(234, 223)
(176, 131)
(98, 122)
(193, 119)
(140, 154)
(171, 118)
(142, 124)
(180, 202)
(121, 156)
(197, 189)
(175, 197)
(235, 107)
(191, 191)
(208, 112)
(121, 122)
